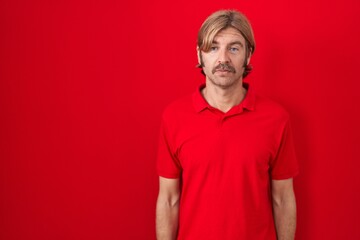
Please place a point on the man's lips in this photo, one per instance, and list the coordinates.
(222, 71)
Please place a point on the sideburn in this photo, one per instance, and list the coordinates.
(201, 64)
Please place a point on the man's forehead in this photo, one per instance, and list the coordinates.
(230, 34)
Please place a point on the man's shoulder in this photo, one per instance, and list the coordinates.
(271, 107)
(178, 107)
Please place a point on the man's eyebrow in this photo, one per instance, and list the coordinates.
(236, 42)
(231, 43)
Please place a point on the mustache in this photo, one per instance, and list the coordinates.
(224, 67)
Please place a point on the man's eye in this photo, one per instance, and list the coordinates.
(212, 49)
(233, 49)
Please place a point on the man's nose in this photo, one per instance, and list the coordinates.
(223, 56)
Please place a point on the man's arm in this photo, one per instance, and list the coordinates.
(284, 206)
(167, 209)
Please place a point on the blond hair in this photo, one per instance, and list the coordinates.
(221, 20)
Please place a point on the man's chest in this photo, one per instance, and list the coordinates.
(234, 144)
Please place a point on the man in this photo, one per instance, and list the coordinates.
(226, 158)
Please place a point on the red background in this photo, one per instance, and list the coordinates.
(83, 84)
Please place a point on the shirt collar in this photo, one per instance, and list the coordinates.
(247, 103)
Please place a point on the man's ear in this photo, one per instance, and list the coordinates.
(248, 58)
(198, 57)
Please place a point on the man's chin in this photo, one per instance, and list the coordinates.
(224, 83)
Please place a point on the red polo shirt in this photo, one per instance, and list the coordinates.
(226, 162)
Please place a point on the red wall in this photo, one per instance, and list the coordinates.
(83, 84)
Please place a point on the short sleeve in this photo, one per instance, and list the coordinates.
(168, 165)
(284, 165)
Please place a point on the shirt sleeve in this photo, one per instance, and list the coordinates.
(168, 165)
(285, 164)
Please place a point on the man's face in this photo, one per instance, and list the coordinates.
(223, 64)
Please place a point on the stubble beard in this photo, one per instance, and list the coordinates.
(224, 82)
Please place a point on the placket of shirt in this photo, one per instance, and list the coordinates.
(222, 117)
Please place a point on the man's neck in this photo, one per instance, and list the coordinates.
(224, 99)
